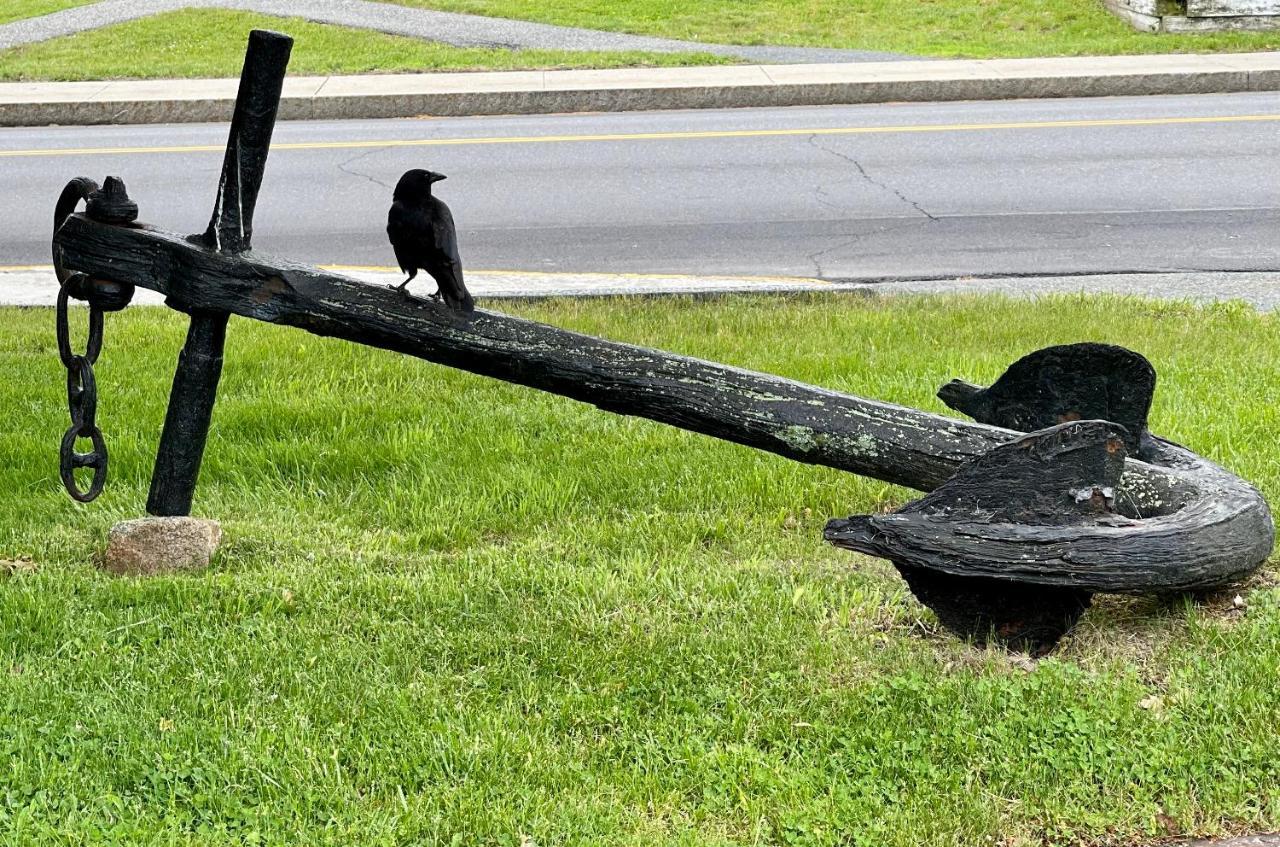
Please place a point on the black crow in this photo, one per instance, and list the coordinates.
(422, 235)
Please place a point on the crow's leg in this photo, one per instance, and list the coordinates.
(437, 296)
(402, 286)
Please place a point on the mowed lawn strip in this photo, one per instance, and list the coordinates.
(452, 610)
(945, 28)
(210, 43)
(16, 10)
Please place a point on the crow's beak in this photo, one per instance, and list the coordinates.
(438, 177)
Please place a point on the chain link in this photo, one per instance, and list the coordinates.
(82, 387)
(82, 393)
(82, 401)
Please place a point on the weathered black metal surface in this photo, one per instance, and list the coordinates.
(111, 204)
(1021, 616)
(195, 382)
(1016, 515)
(75, 191)
(1012, 542)
(82, 402)
(249, 141)
(1063, 476)
(1070, 382)
(186, 422)
(1062, 381)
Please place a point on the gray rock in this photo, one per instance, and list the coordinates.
(161, 545)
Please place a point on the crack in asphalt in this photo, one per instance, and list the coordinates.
(346, 169)
(817, 145)
(815, 257)
(821, 195)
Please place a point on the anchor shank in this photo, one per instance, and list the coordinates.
(881, 440)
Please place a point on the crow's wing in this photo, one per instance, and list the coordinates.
(407, 229)
(443, 234)
(446, 267)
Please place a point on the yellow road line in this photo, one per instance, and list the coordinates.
(561, 274)
(761, 278)
(650, 136)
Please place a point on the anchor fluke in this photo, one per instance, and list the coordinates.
(1061, 476)
(1068, 382)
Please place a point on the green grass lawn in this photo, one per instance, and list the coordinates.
(14, 10)
(450, 610)
(973, 28)
(210, 43)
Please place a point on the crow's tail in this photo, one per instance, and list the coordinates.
(464, 303)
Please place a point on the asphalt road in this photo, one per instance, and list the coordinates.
(878, 191)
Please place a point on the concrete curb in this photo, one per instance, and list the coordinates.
(544, 92)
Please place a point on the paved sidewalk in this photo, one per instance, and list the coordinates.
(446, 27)
(38, 287)
(542, 92)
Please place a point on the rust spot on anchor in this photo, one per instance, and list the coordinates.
(269, 289)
